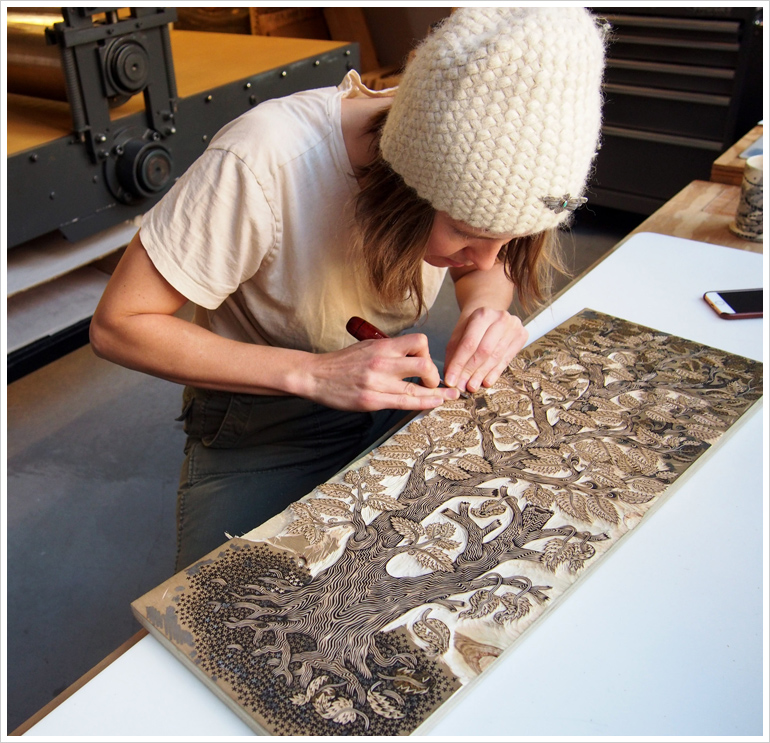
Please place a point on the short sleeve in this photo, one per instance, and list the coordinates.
(212, 230)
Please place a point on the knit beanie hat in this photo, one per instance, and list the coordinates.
(496, 120)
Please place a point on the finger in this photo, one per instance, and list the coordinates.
(479, 351)
(412, 344)
(417, 362)
(460, 350)
(409, 396)
(505, 359)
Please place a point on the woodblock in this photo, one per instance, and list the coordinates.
(368, 604)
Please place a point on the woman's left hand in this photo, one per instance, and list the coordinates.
(481, 347)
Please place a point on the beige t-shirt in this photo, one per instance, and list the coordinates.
(257, 232)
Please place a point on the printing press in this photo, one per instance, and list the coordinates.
(106, 107)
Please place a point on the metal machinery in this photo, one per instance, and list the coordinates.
(113, 166)
(106, 108)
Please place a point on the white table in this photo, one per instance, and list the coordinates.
(664, 637)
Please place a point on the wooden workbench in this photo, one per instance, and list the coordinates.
(202, 61)
(700, 211)
(728, 167)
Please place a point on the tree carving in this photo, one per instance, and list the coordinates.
(458, 520)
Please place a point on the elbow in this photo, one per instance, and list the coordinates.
(100, 338)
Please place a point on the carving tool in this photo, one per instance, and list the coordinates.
(362, 330)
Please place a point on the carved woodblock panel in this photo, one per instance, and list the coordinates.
(370, 602)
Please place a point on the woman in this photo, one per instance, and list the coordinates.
(338, 202)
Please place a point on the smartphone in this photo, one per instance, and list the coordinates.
(734, 304)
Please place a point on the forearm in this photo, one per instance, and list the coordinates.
(477, 289)
(179, 351)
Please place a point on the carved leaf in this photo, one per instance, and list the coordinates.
(577, 418)
(332, 507)
(382, 706)
(390, 466)
(704, 433)
(543, 468)
(538, 495)
(515, 608)
(592, 451)
(462, 439)
(555, 553)
(353, 477)
(434, 559)
(563, 359)
(454, 414)
(648, 437)
(437, 428)
(450, 471)
(411, 530)
(602, 508)
(399, 452)
(514, 426)
(482, 602)
(625, 358)
(335, 490)
(621, 373)
(412, 681)
(606, 418)
(644, 462)
(313, 687)
(446, 544)
(628, 496)
(658, 414)
(302, 511)
(432, 631)
(647, 486)
(628, 401)
(572, 503)
(474, 463)
(592, 358)
(341, 711)
(547, 455)
(489, 508)
(607, 479)
(624, 463)
(581, 553)
(440, 529)
(554, 389)
(372, 486)
(709, 420)
(384, 503)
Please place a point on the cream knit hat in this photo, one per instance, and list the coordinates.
(498, 115)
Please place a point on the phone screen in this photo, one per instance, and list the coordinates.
(745, 300)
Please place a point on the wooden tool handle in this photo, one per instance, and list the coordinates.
(363, 331)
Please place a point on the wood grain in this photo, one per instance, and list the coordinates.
(701, 211)
(728, 167)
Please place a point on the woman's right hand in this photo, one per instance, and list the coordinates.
(372, 375)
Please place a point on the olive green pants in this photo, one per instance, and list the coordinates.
(247, 457)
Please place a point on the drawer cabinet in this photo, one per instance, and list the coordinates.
(681, 85)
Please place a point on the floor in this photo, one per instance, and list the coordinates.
(92, 463)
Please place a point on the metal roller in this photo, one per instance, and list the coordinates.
(35, 66)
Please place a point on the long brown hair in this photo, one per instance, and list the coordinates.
(394, 223)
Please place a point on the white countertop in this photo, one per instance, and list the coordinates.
(664, 637)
